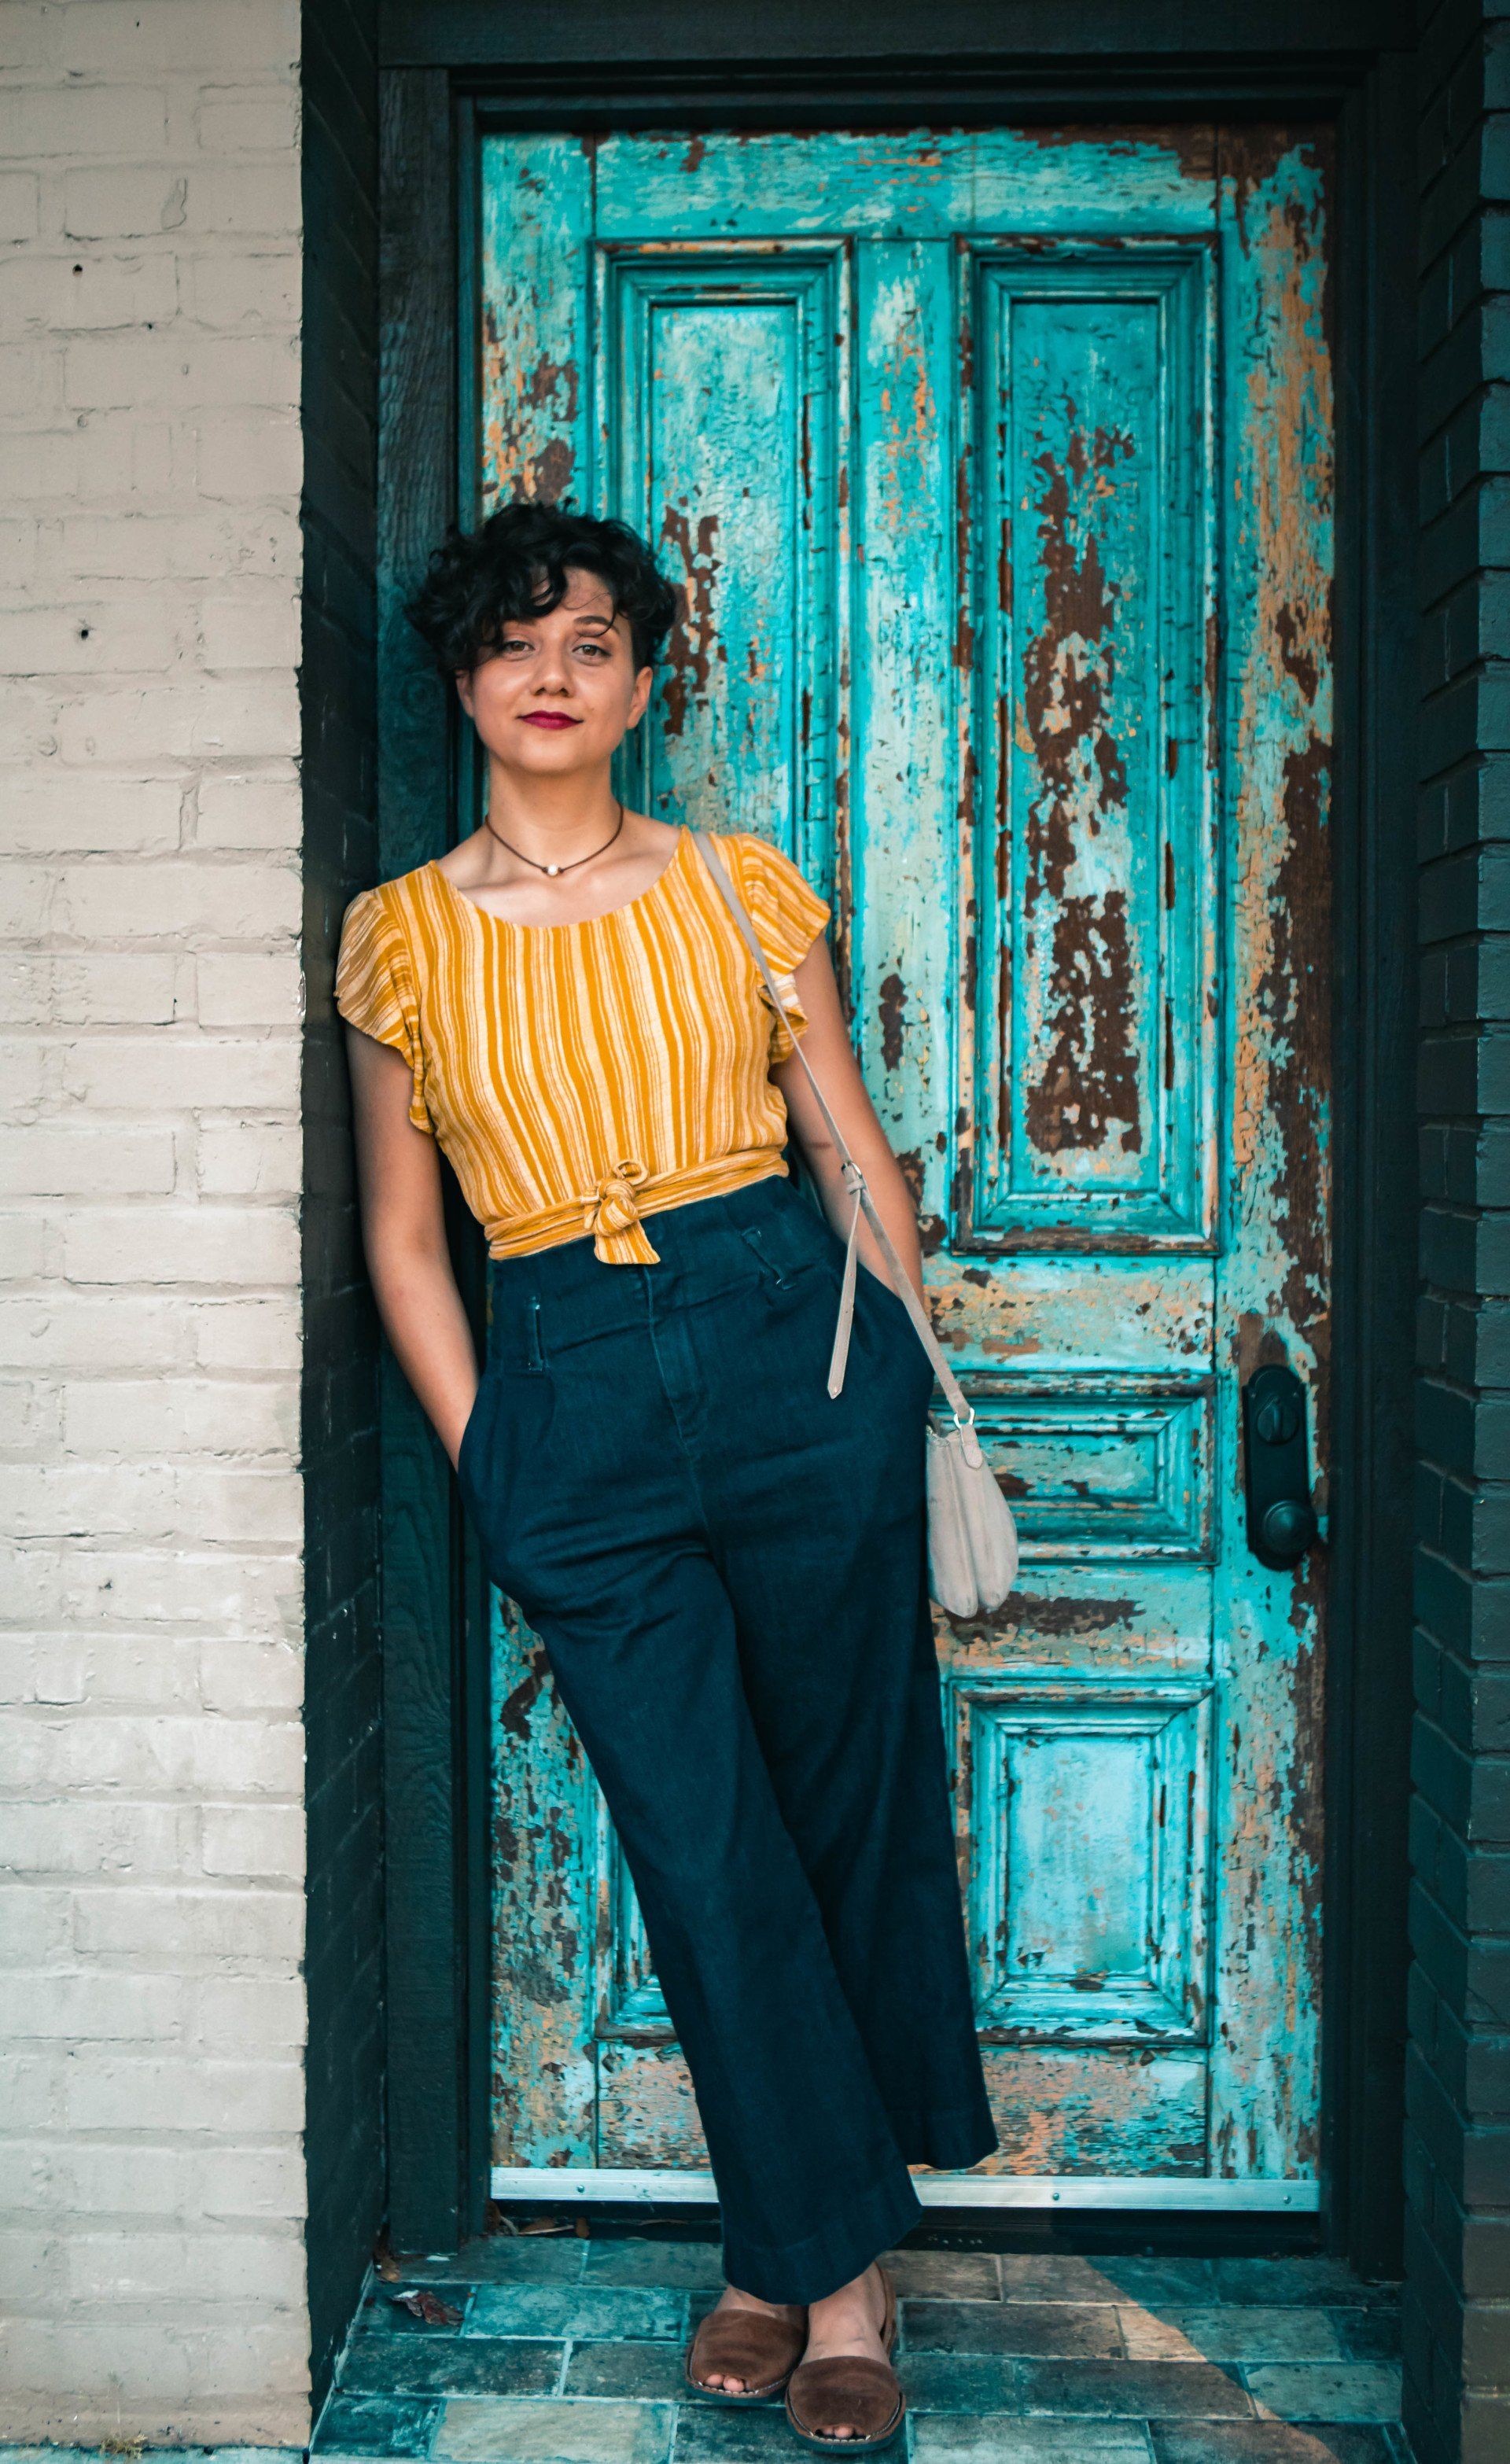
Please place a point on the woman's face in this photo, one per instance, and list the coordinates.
(561, 691)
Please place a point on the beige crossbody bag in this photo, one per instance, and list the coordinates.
(971, 1538)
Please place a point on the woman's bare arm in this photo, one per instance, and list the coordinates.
(833, 1063)
(403, 1233)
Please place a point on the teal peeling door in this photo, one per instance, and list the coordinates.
(995, 470)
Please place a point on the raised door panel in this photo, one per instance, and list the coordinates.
(1111, 1475)
(721, 389)
(1089, 1821)
(1092, 970)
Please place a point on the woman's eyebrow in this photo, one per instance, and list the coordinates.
(591, 617)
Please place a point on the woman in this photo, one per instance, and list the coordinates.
(726, 1566)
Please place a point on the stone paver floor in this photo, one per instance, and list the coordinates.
(563, 2350)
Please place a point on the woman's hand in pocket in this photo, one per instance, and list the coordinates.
(403, 1234)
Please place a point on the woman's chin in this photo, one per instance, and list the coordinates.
(542, 753)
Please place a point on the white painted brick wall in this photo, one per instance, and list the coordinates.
(151, 1827)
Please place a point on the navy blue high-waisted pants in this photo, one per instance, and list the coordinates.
(728, 1569)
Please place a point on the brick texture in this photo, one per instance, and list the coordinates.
(152, 1829)
(1457, 2087)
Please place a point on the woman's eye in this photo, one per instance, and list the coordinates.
(595, 650)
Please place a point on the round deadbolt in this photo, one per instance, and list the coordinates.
(1276, 1419)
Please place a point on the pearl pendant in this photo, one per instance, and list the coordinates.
(552, 867)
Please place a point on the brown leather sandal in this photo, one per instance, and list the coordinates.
(749, 2346)
(849, 2387)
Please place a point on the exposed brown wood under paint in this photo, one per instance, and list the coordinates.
(695, 643)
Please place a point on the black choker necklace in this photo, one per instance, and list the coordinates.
(556, 867)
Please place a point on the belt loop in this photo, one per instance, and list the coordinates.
(535, 1359)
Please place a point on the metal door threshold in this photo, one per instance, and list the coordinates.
(547, 2183)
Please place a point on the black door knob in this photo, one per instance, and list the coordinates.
(1289, 1527)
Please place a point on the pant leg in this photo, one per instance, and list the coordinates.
(871, 1823)
(822, 1543)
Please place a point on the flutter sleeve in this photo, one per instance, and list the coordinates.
(375, 989)
(788, 916)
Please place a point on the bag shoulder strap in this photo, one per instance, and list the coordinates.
(854, 1177)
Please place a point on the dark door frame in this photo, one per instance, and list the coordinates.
(972, 61)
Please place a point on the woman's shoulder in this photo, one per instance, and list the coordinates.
(392, 933)
(391, 913)
(398, 897)
(788, 913)
(756, 857)
(762, 867)
(740, 841)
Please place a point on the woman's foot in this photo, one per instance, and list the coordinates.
(849, 2321)
(790, 2313)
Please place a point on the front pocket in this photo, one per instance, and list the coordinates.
(865, 1277)
(503, 1459)
(470, 1432)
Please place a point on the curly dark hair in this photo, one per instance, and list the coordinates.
(516, 563)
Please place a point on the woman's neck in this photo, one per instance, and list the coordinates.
(631, 855)
(552, 820)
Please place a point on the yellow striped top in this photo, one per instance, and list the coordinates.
(579, 1076)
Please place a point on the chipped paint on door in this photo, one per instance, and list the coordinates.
(1095, 997)
(994, 471)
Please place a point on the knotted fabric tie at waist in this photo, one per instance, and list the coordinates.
(613, 1217)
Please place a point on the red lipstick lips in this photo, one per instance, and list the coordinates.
(548, 718)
